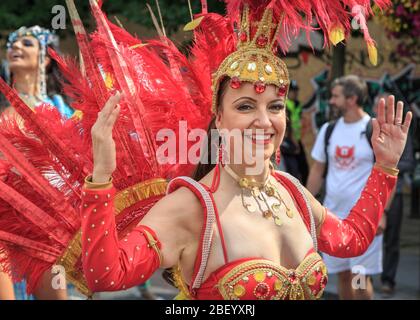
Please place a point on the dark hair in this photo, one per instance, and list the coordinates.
(54, 81)
(204, 167)
(3, 101)
(352, 86)
(54, 77)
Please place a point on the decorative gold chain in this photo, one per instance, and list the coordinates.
(259, 191)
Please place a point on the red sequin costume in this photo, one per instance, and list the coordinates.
(45, 163)
(113, 264)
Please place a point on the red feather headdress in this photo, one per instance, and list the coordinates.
(45, 158)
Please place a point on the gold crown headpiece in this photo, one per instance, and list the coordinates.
(254, 60)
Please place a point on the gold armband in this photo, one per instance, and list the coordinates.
(388, 170)
(93, 185)
(153, 244)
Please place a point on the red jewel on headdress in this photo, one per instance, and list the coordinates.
(235, 83)
(259, 86)
(242, 36)
(262, 40)
(282, 90)
(261, 290)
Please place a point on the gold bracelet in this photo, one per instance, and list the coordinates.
(95, 185)
(391, 171)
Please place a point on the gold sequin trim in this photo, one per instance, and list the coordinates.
(284, 287)
(141, 191)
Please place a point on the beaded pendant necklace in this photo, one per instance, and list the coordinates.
(262, 194)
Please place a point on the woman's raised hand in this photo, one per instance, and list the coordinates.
(390, 132)
(104, 153)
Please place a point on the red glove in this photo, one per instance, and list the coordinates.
(352, 236)
(110, 264)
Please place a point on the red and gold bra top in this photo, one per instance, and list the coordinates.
(256, 278)
(251, 278)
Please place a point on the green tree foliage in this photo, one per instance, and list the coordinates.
(174, 13)
(16, 13)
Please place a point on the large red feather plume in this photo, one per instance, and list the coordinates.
(297, 15)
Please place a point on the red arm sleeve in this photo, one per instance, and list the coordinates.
(352, 236)
(110, 264)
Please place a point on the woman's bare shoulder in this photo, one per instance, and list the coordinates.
(177, 220)
(183, 198)
(181, 205)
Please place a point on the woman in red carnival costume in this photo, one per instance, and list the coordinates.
(227, 234)
(35, 76)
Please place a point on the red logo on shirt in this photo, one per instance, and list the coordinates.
(344, 156)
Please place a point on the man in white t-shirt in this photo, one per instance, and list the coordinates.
(349, 163)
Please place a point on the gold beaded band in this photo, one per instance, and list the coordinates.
(388, 170)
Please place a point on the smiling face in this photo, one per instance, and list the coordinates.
(260, 118)
(23, 54)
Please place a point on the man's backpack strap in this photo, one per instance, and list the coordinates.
(328, 133)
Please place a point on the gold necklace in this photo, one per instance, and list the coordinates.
(261, 192)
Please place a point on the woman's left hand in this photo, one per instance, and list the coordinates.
(390, 132)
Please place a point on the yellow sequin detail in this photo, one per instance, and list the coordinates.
(278, 285)
(239, 290)
(311, 280)
(259, 276)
